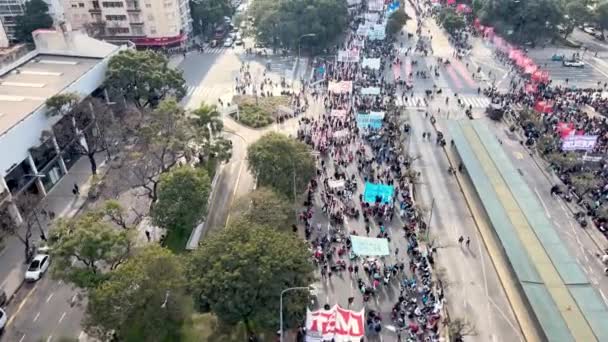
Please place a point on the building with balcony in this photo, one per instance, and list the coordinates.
(32, 157)
(146, 23)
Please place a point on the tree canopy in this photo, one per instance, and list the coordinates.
(143, 300)
(240, 271)
(521, 21)
(396, 21)
(85, 247)
(266, 208)
(144, 77)
(35, 16)
(182, 198)
(281, 24)
(208, 13)
(274, 159)
(601, 15)
(451, 20)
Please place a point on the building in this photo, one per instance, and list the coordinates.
(10, 9)
(3, 37)
(146, 23)
(32, 157)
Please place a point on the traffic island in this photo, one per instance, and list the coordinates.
(258, 111)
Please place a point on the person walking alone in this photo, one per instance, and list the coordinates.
(460, 239)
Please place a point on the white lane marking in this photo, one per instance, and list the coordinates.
(604, 297)
(22, 338)
(49, 298)
(542, 202)
(81, 336)
(586, 257)
(49, 339)
(36, 317)
(62, 317)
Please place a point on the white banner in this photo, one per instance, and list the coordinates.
(370, 91)
(363, 29)
(349, 56)
(377, 32)
(579, 142)
(341, 134)
(336, 324)
(340, 87)
(372, 63)
(338, 112)
(353, 2)
(372, 17)
(375, 5)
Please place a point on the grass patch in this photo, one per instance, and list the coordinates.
(258, 113)
(206, 328)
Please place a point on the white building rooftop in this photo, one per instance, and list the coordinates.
(28, 86)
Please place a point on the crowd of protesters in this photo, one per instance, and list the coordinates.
(352, 153)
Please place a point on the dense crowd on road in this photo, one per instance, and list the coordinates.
(351, 154)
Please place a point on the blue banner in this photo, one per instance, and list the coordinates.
(369, 121)
(385, 192)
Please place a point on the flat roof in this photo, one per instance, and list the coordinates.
(566, 305)
(28, 86)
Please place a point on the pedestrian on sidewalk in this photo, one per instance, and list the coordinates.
(356, 269)
(76, 190)
(468, 241)
(148, 235)
(460, 239)
(396, 251)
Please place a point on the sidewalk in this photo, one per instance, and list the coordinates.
(63, 203)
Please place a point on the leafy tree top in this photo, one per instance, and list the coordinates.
(35, 16)
(144, 77)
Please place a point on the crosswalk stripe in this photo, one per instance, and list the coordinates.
(415, 101)
(475, 101)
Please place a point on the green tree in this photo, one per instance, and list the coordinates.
(563, 161)
(115, 212)
(450, 20)
(35, 16)
(396, 21)
(278, 161)
(89, 123)
(182, 199)
(601, 16)
(144, 77)
(578, 13)
(85, 247)
(208, 13)
(143, 300)
(265, 207)
(523, 21)
(281, 24)
(584, 182)
(240, 271)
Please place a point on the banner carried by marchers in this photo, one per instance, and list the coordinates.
(336, 324)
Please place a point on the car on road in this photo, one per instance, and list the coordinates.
(38, 266)
(2, 319)
(589, 29)
(228, 42)
(238, 41)
(573, 64)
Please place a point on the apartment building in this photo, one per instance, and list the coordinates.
(9, 10)
(146, 23)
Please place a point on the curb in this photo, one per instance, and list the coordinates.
(513, 292)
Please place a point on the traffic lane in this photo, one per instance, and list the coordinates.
(196, 66)
(227, 185)
(576, 238)
(34, 310)
(476, 295)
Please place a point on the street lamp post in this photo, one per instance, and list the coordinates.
(299, 288)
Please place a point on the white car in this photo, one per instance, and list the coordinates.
(2, 319)
(574, 64)
(38, 266)
(589, 29)
(228, 42)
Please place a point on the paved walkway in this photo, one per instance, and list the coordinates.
(63, 203)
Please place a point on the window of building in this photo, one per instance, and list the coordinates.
(19, 176)
(134, 18)
(43, 154)
(132, 4)
(118, 30)
(81, 4)
(137, 30)
(96, 16)
(150, 17)
(95, 4)
(112, 4)
(116, 17)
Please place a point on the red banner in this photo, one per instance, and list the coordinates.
(337, 324)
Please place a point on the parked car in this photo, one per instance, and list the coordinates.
(589, 29)
(38, 266)
(2, 319)
(574, 64)
(228, 42)
(238, 41)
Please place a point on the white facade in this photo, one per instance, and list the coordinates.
(3, 37)
(62, 62)
(137, 19)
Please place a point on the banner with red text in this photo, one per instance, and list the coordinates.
(339, 324)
